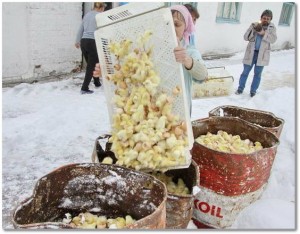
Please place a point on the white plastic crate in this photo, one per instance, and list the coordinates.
(128, 22)
(218, 83)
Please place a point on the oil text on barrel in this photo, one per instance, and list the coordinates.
(206, 208)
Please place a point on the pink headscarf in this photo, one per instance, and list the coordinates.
(189, 24)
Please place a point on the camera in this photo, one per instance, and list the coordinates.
(257, 26)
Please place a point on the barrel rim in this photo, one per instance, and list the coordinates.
(63, 225)
(250, 110)
(276, 139)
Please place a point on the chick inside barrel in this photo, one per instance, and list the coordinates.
(234, 156)
(179, 184)
(88, 220)
(224, 142)
(89, 196)
(146, 133)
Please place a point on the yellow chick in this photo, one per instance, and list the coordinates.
(161, 100)
(101, 222)
(88, 225)
(111, 223)
(107, 160)
(89, 218)
(161, 123)
(143, 39)
(129, 220)
(171, 141)
(77, 221)
(120, 222)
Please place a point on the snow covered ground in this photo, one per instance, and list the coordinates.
(45, 126)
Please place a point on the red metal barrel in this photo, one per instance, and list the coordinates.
(229, 181)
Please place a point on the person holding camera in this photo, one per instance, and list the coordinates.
(260, 35)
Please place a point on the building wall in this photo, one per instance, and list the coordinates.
(38, 39)
(15, 41)
(226, 38)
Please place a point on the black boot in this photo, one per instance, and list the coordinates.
(238, 92)
(86, 91)
(97, 82)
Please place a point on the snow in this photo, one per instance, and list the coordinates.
(271, 211)
(48, 125)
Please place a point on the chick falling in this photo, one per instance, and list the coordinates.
(228, 143)
(145, 132)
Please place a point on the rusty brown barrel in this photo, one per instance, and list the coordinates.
(179, 208)
(100, 189)
(229, 181)
(266, 120)
(102, 149)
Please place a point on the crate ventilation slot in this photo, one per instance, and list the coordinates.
(120, 15)
(108, 61)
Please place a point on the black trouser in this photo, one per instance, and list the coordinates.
(89, 50)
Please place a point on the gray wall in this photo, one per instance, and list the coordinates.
(38, 39)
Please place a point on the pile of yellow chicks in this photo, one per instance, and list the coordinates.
(178, 188)
(212, 86)
(145, 132)
(90, 221)
(228, 143)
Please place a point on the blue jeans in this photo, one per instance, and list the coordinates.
(257, 75)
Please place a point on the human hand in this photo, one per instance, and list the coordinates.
(97, 70)
(262, 32)
(257, 26)
(77, 45)
(182, 57)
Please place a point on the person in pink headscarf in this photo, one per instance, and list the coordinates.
(185, 53)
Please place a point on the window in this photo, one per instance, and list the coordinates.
(229, 12)
(286, 13)
(194, 4)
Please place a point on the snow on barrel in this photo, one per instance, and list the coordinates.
(179, 183)
(94, 196)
